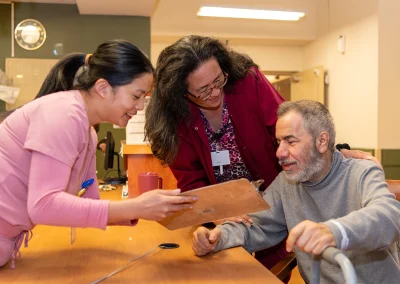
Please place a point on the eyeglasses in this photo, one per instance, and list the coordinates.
(204, 95)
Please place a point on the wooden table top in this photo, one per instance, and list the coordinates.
(50, 258)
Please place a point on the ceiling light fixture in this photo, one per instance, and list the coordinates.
(207, 11)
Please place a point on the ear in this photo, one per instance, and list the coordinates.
(102, 87)
(322, 142)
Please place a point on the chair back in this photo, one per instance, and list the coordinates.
(283, 268)
(394, 187)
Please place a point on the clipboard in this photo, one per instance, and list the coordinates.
(219, 201)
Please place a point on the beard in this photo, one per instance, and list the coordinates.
(312, 165)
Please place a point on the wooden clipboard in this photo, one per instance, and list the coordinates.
(219, 201)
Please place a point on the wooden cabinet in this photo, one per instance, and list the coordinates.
(139, 158)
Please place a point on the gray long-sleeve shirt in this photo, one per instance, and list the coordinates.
(352, 200)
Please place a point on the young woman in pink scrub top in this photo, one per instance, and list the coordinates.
(47, 148)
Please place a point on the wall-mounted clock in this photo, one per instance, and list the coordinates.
(30, 34)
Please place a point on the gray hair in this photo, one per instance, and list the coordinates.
(316, 118)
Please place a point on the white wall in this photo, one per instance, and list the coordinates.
(389, 74)
(336, 14)
(155, 50)
(353, 76)
(274, 58)
(268, 57)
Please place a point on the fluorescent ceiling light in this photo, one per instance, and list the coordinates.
(207, 11)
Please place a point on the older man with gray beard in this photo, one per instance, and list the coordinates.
(323, 200)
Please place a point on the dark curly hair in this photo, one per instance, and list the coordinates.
(168, 106)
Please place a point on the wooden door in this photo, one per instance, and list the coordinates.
(308, 85)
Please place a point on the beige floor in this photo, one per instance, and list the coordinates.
(296, 278)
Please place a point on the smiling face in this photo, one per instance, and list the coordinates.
(208, 75)
(297, 151)
(123, 102)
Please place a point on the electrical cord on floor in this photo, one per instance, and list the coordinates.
(160, 246)
(109, 171)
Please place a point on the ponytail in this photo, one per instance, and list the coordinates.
(61, 76)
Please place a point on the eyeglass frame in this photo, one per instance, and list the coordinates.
(210, 89)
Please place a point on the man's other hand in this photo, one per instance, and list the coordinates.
(204, 240)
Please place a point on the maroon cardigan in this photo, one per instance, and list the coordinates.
(252, 104)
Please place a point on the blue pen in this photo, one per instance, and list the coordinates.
(85, 186)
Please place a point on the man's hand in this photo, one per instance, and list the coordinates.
(245, 219)
(357, 154)
(204, 240)
(310, 237)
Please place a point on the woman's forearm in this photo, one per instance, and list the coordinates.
(123, 210)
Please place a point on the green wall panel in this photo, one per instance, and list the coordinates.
(80, 33)
(391, 163)
(5, 39)
(392, 172)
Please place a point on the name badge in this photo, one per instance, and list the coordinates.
(220, 158)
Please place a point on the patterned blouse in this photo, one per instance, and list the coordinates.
(225, 139)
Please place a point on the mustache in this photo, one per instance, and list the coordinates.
(286, 162)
